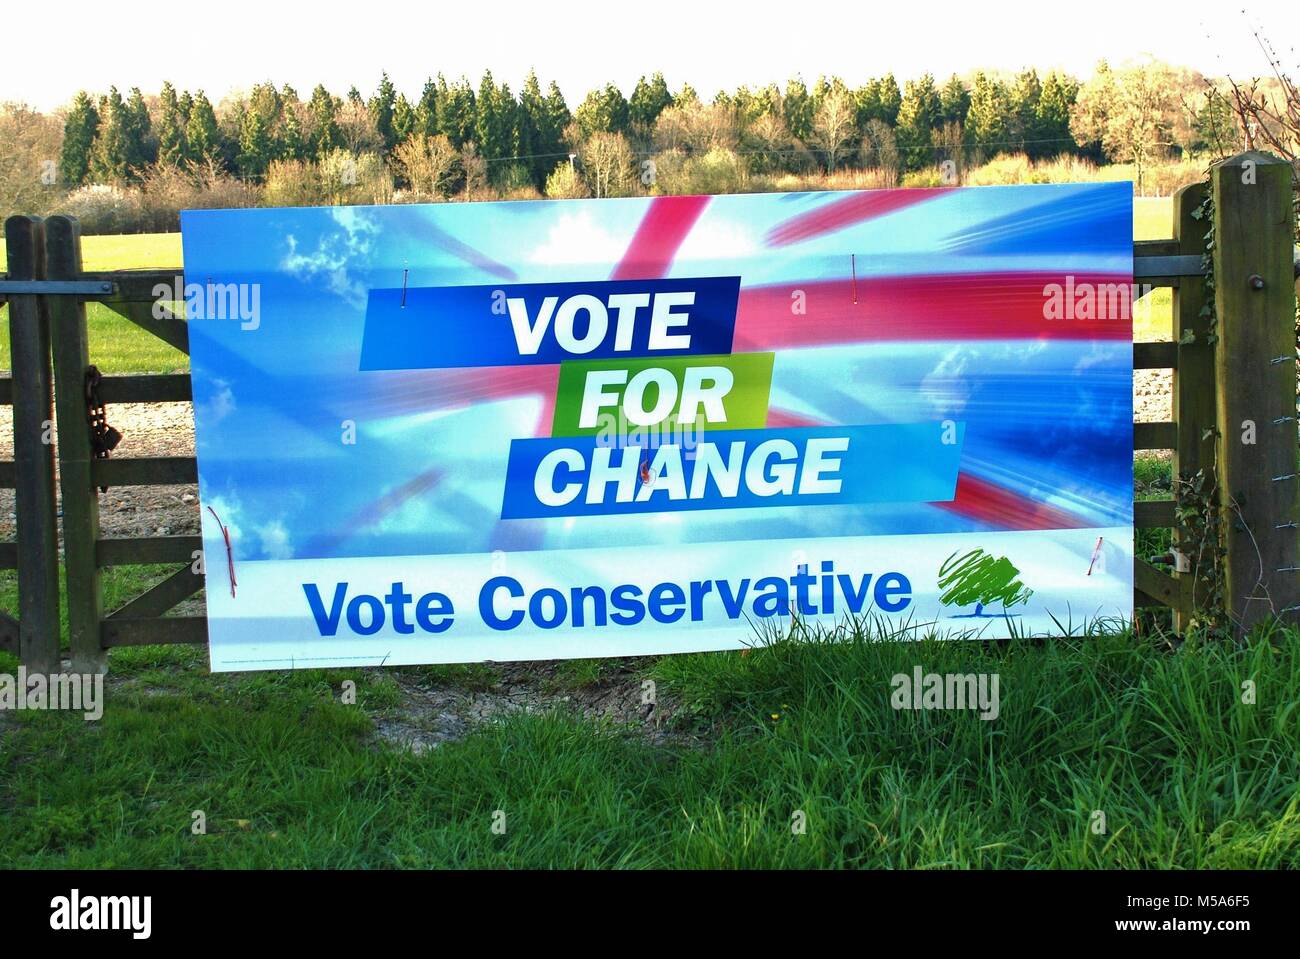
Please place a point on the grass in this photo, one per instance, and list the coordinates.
(1153, 315)
(287, 776)
(119, 584)
(129, 251)
(116, 344)
(1152, 480)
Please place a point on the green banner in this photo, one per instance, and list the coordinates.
(663, 394)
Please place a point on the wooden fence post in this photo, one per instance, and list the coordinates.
(35, 502)
(1193, 390)
(1255, 374)
(76, 475)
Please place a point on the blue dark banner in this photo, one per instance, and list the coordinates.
(735, 469)
(540, 323)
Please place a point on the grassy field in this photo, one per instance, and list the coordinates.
(1154, 735)
(1153, 315)
(286, 775)
(116, 345)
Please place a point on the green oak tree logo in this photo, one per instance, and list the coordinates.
(978, 578)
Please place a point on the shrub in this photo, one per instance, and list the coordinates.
(103, 209)
(348, 178)
(526, 192)
(870, 179)
(1159, 179)
(1004, 169)
(564, 183)
(292, 183)
(163, 192)
(221, 192)
(718, 171)
(926, 176)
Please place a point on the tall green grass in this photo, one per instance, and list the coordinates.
(1185, 773)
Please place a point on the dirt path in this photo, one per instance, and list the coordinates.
(159, 429)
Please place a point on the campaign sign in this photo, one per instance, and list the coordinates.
(507, 431)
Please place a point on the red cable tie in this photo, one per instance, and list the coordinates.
(1096, 551)
(230, 556)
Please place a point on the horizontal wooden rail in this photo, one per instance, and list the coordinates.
(1149, 248)
(1163, 263)
(146, 471)
(132, 388)
(8, 555)
(1153, 514)
(1166, 270)
(147, 549)
(1155, 436)
(147, 388)
(1157, 584)
(1155, 356)
(8, 474)
(154, 631)
(136, 286)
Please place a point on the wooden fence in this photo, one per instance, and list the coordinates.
(1233, 432)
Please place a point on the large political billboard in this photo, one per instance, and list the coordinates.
(533, 430)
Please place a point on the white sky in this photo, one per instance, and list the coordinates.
(582, 44)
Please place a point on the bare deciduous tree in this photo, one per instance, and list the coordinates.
(1132, 113)
(475, 169)
(426, 162)
(834, 125)
(357, 128)
(29, 155)
(697, 127)
(879, 150)
(768, 142)
(607, 164)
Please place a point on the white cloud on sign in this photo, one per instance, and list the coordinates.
(334, 253)
(578, 239)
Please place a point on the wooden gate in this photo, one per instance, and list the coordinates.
(1233, 433)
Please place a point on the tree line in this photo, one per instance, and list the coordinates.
(456, 135)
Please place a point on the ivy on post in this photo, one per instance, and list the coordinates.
(1195, 539)
(1255, 379)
